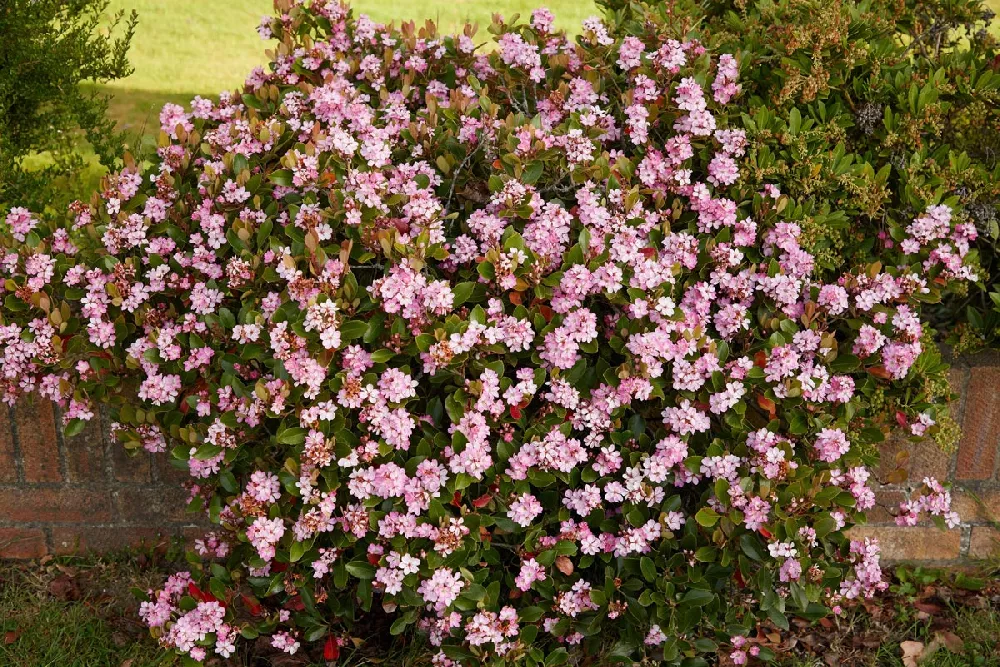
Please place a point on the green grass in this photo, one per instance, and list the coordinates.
(184, 48)
(76, 613)
(199, 46)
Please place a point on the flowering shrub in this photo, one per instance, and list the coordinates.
(494, 340)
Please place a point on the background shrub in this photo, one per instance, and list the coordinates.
(858, 110)
(48, 48)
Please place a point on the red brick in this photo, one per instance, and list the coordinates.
(984, 543)
(85, 454)
(131, 468)
(54, 505)
(981, 427)
(192, 533)
(22, 543)
(154, 506)
(886, 506)
(917, 543)
(8, 464)
(927, 460)
(168, 474)
(922, 459)
(36, 433)
(68, 540)
(987, 508)
(958, 378)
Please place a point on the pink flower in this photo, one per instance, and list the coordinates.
(285, 642)
(831, 444)
(630, 53)
(655, 636)
(21, 222)
(530, 572)
(524, 510)
(264, 487)
(442, 589)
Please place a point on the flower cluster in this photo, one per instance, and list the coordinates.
(494, 339)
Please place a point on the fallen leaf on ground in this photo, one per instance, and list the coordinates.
(952, 642)
(912, 653)
(64, 588)
(928, 607)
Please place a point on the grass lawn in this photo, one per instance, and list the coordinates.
(184, 48)
(77, 613)
(201, 47)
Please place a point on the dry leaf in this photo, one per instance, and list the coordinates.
(913, 652)
(565, 565)
(951, 641)
(64, 588)
(767, 405)
(11, 636)
(897, 476)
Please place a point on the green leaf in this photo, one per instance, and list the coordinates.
(353, 329)
(825, 525)
(292, 436)
(844, 363)
(706, 645)
(75, 427)
(622, 651)
(228, 481)
(794, 121)
(462, 292)
(361, 569)
(648, 568)
(705, 554)
(298, 550)
(534, 171)
(207, 451)
(530, 614)
(697, 597)
(706, 517)
(398, 626)
(749, 545)
(227, 318)
(778, 618)
(264, 232)
(558, 657)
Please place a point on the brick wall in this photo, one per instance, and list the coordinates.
(63, 495)
(972, 469)
(68, 495)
